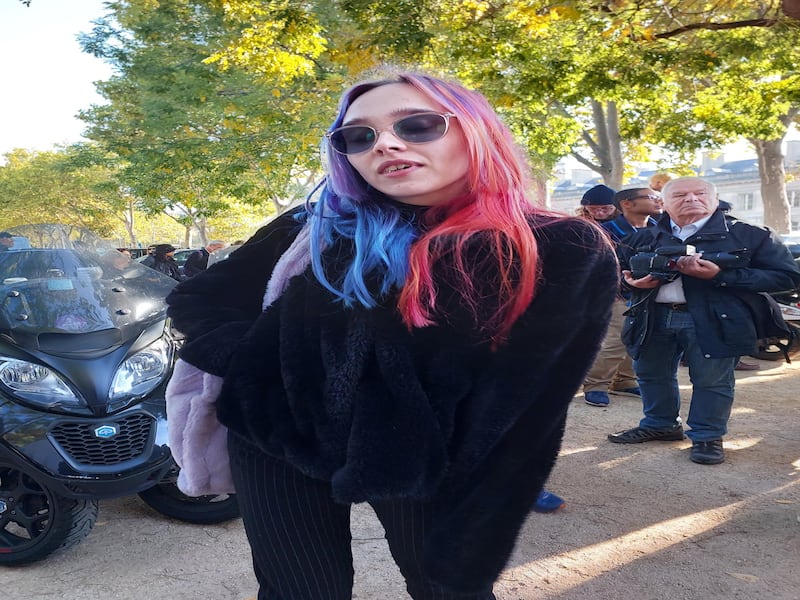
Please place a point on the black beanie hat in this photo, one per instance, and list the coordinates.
(597, 196)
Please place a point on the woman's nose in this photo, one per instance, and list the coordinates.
(387, 139)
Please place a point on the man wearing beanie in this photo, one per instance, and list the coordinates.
(598, 204)
(612, 370)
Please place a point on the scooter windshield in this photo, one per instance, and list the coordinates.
(59, 279)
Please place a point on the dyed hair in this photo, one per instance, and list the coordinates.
(392, 251)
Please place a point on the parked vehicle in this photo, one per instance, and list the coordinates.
(86, 350)
(789, 303)
(136, 252)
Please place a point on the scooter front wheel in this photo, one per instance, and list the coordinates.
(167, 499)
(34, 521)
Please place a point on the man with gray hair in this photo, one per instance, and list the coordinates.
(691, 279)
(198, 260)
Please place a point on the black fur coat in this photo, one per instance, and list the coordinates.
(353, 397)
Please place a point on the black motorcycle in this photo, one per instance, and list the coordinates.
(86, 350)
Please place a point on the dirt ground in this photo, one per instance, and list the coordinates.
(641, 522)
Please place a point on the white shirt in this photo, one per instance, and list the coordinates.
(672, 292)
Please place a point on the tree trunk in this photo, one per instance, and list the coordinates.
(791, 8)
(130, 223)
(606, 145)
(777, 214)
(539, 192)
(617, 172)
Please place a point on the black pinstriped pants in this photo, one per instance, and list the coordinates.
(300, 538)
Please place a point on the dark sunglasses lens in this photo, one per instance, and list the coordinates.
(352, 140)
(419, 129)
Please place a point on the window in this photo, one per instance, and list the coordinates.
(794, 198)
(747, 201)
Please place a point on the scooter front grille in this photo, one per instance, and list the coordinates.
(103, 444)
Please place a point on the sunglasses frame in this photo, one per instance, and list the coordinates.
(446, 116)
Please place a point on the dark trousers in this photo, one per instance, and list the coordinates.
(300, 538)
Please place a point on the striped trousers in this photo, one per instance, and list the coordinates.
(300, 538)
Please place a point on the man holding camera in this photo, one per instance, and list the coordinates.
(686, 276)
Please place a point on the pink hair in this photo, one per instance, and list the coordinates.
(496, 209)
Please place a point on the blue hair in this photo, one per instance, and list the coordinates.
(381, 235)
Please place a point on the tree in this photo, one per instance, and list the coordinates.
(190, 133)
(751, 88)
(216, 100)
(626, 74)
(46, 187)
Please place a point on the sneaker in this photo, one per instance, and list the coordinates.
(633, 391)
(547, 502)
(709, 452)
(596, 398)
(637, 435)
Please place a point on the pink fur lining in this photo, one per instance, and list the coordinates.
(198, 441)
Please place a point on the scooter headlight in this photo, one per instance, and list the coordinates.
(142, 372)
(36, 384)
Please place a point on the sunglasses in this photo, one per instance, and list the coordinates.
(420, 128)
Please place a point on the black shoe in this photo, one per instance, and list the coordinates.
(637, 435)
(708, 453)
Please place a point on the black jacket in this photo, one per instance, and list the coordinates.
(722, 320)
(196, 263)
(166, 265)
(353, 397)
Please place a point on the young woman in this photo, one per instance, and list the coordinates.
(431, 328)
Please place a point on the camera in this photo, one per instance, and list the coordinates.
(663, 262)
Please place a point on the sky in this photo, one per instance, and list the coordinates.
(44, 76)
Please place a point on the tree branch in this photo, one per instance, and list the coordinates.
(585, 162)
(717, 27)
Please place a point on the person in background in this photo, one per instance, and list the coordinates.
(658, 180)
(198, 260)
(6, 241)
(612, 371)
(697, 309)
(223, 253)
(163, 261)
(597, 204)
(421, 359)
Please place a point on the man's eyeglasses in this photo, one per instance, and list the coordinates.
(647, 197)
(420, 128)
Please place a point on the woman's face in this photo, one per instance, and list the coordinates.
(419, 174)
